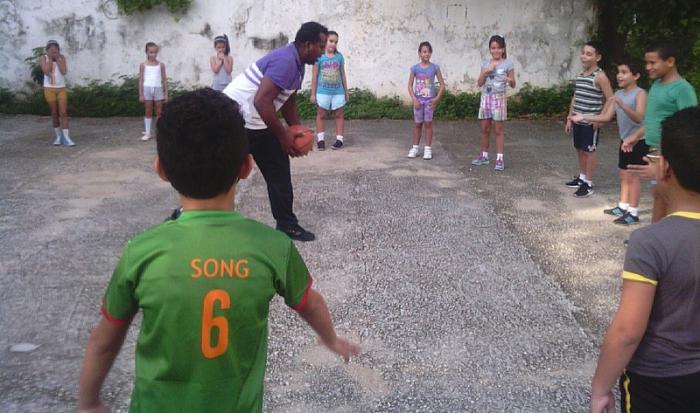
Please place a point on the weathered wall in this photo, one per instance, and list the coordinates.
(378, 38)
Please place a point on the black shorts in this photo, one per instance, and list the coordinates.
(639, 151)
(585, 137)
(643, 394)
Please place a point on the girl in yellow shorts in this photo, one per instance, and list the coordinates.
(53, 64)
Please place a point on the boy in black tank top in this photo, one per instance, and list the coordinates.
(592, 91)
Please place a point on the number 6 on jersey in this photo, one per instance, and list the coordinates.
(209, 322)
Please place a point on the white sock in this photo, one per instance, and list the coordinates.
(499, 156)
(582, 176)
(321, 136)
(416, 146)
(634, 211)
(428, 148)
(623, 205)
(147, 126)
(485, 154)
(589, 182)
(66, 133)
(339, 137)
(57, 131)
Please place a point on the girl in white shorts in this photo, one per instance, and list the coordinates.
(153, 87)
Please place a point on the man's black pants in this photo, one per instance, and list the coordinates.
(274, 165)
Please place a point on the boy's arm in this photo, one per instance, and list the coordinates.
(315, 313)
(629, 142)
(567, 126)
(686, 98)
(164, 80)
(605, 116)
(637, 114)
(314, 82)
(622, 339)
(604, 84)
(102, 348)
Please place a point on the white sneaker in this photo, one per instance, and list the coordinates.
(145, 137)
(413, 152)
(67, 141)
(57, 141)
(428, 153)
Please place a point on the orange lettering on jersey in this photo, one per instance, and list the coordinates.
(242, 269)
(215, 271)
(227, 268)
(198, 271)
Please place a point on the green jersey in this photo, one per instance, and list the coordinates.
(204, 283)
(664, 100)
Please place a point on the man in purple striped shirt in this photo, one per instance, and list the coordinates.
(265, 87)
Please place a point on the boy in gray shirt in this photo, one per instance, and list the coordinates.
(653, 343)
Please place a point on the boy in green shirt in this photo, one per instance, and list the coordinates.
(668, 94)
(203, 281)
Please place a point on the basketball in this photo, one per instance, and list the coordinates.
(303, 138)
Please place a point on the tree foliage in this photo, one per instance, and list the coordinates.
(627, 27)
(139, 6)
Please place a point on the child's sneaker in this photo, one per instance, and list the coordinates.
(627, 219)
(337, 144)
(413, 152)
(66, 141)
(500, 165)
(617, 211)
(145, 137)
(428, 153)
(575, 183)
(583, 191)
(321, 145)
(480, 160)
(57, 141)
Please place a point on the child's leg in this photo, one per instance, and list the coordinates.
(149, 108)
(416, 133)
(485, 125)
(339, 122)
(53, 107)
(581, 162)
(159, 108)
(625, 186)
(321, 122)
(63, 111)
(428, 134)
(500, 137)
(591, 159)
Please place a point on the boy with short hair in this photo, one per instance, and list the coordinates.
(628, 104)
(668, 94)
(203, 281)
(653, 343)
(592, 91)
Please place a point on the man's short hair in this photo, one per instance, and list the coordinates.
(665, 50)
(680, 145)
(202, 143)
(310, 32)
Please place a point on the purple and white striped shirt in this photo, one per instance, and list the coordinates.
(282, 66)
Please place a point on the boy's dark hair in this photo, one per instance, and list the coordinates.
(52, 43)
(425, 44)
(680, 145)
(201, 143)
(223, 39)
(634, 65)
(501, 42)
(310, 32)
(149, 44)
(595, 45)
(330, 32)
(664, 50)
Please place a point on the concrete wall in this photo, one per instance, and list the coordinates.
(378, 38)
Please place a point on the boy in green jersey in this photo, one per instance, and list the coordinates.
(668, 94)
(203, 281)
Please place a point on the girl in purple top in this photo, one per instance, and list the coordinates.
(421, 87)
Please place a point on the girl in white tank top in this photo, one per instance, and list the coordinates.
(153, 87)
(53, 64)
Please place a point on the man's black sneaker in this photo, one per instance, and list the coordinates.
(298, 233)
(337, 145)
(574, 183)
(627, 219)
(321, 145)
(583, 191)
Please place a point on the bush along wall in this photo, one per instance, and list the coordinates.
(105, 99)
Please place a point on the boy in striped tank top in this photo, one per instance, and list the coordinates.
(591, 92)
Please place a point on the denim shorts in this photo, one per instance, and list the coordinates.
(424, 113)
(330, 102)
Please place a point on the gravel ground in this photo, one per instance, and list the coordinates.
(467, 288)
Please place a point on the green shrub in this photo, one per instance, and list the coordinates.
(35, 68)
(532, 100)
(139, 6)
